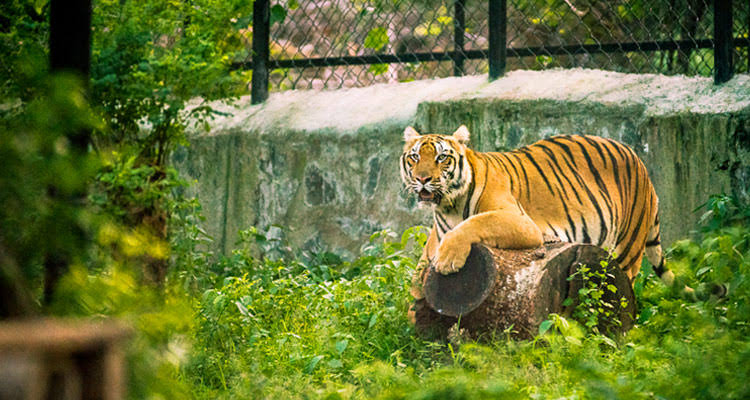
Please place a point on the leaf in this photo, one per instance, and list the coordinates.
(243, 22)
(278, 14)
(341, 345)
(573, 340)
(544, 326)
(567, 302)
(335, 364)
(310, 367)
(373, 320)
(39, 6)
(242, 308)
(378, 69)
(434, 30)
(376, 39)
(219, 301)
(608, 342)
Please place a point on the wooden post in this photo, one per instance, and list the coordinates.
(69, 52)
(261, 28)
(517, 289)
(497, 39)
(70, 36)
(723, 47)
(63, 359)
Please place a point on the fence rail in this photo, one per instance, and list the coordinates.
(700, 28)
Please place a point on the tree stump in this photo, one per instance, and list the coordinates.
(514, 291)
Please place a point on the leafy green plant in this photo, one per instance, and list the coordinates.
(309, 325)
(42, 177)
(150, 58)
(723, 211)
(260, 327)
(593, 309)
(127, 190)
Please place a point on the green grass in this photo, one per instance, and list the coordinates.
(314, 326)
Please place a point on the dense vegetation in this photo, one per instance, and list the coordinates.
(313, 326)
(268, 321)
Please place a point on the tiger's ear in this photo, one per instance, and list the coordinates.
(410, 134)
(462, 134)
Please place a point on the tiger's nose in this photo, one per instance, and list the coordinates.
(424, 180)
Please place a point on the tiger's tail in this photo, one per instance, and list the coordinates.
(656, 255)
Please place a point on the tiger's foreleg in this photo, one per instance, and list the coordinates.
(508, 228)
(428, 253)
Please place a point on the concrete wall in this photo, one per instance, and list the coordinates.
(324, 165)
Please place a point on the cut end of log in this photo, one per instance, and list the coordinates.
(461, 292)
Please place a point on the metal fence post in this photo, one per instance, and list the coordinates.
(459, 30)
(723, 47)
(259, 90)
(498, 39)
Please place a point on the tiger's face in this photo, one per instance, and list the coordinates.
(434, 167)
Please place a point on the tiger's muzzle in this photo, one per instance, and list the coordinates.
(426, 190)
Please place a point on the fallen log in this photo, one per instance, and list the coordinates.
(514, 291)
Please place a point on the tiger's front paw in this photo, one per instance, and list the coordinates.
(416, 289)
(451, 254)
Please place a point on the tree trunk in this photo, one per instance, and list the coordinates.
(515, 290)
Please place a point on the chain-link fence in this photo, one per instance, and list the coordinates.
(329, 44)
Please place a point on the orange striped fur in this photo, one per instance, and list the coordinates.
(583, 189)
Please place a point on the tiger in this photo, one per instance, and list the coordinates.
(569, 188)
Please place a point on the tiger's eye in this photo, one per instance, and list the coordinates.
(441, 158)
(414, 157)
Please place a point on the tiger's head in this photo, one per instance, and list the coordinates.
(435, 167)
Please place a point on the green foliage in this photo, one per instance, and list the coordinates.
(124, 189)
(595, 22)
(23, 48)
(376, 39)
(378, 69)
(42, 172)
(278, 14)
(261, 314)
(593, 309)
(150, 58)
(723, 211)
(263, 322)
(155, 66)
(162, 321)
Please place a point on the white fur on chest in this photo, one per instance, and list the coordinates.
(446, 221)
(453, 219)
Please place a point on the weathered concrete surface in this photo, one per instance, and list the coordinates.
(324, 165)
(324, 189)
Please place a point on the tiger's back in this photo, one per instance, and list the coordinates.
(584, 189)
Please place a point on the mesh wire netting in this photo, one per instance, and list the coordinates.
(741, 30)
(642, 36)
